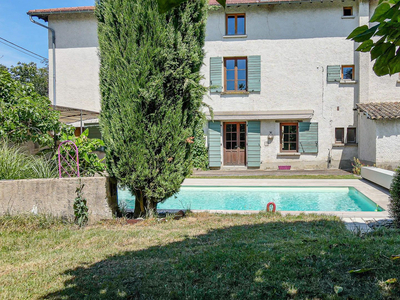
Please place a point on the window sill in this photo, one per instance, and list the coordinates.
(235, 36)
(348, 17)
(288, 154)
(339, 145)
(235, 93)
(348, 81)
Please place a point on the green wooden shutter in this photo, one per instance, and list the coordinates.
(308, 137)
(333, 73)
(214, 144)
(253, 144)
(216, 74)
(254, 73)
(94, 132)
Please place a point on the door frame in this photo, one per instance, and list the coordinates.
(238, 135)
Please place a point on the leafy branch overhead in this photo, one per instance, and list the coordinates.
(166, 5)
(382, 40)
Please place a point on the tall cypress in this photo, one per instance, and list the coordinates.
(151, 93)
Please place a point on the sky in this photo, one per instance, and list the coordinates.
(16, 27)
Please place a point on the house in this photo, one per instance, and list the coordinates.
(286, 87)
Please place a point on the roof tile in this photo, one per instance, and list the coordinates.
(380, 110)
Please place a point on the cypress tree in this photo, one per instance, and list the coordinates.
(394, 204)
(151, 93)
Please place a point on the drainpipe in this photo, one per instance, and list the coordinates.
(53, 39)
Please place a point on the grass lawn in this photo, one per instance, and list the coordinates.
(349, 176)
(203, 256)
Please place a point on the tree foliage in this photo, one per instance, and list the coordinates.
(394, 205)
(89, 162)
(382, 40)
(30, 73)
(166, 5)
(25, 115)
(151, 93)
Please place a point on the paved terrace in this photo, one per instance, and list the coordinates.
(246, 172)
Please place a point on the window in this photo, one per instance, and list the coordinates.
(289, 137)
(348, 11)
(235, 24)
(351, 135)
(348, 72)
(235, 74)
(339, 135)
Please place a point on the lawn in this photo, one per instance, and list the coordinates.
(203, 256)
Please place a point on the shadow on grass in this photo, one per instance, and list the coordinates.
(275, 260)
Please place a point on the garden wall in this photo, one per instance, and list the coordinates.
(56, 196)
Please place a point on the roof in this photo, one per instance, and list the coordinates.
(44, 13)
(250, 2)
(380, 110)
(71, 115)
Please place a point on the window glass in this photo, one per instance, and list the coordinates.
(347, 11)
(240, 25)
(339, 135)
(347, 72)
(289, 137)
(231, 25)
(351, 135)
(236, 74)
(235, 24)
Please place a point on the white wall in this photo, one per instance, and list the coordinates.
(367, 139)
(296, 43)
(388, 143)
(77, 61)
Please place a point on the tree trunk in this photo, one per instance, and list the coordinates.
(144, 207)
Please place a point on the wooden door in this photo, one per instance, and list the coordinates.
(235, 143)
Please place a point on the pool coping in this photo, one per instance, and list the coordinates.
(376, 193)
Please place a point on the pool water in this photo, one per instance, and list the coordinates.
(257, 198)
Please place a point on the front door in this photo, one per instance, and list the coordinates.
(235, 143)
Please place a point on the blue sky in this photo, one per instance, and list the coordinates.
(16, 27)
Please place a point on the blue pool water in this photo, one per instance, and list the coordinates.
(256, 198)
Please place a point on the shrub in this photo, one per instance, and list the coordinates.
(17, 163)
(394, 205)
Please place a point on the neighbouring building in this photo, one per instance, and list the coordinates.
(286, 86)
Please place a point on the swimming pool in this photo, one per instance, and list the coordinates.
(257, 198)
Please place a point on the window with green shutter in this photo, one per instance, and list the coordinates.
(308, 137)
(216, 74)
(214, 144)
(94, 132)
(333, 73)
(254, 73)
(253, 144)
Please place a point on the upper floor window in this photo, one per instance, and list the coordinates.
(348, 72)
(351, 135)
(235, 24)
(339, 135)
(235, 74)
(348, 11)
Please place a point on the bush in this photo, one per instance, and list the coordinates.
(16, 163)
(394, 205)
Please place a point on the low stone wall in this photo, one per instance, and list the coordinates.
(379, 176)
(56, 196)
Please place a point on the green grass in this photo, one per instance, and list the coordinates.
(203, 256)
(350, 176)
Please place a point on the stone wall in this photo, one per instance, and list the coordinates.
(56, 196)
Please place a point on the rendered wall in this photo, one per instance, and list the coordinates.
(379, 176)
(56, 196)
(366, 140)
(296, 46)
(388, 144)
(77, 61)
